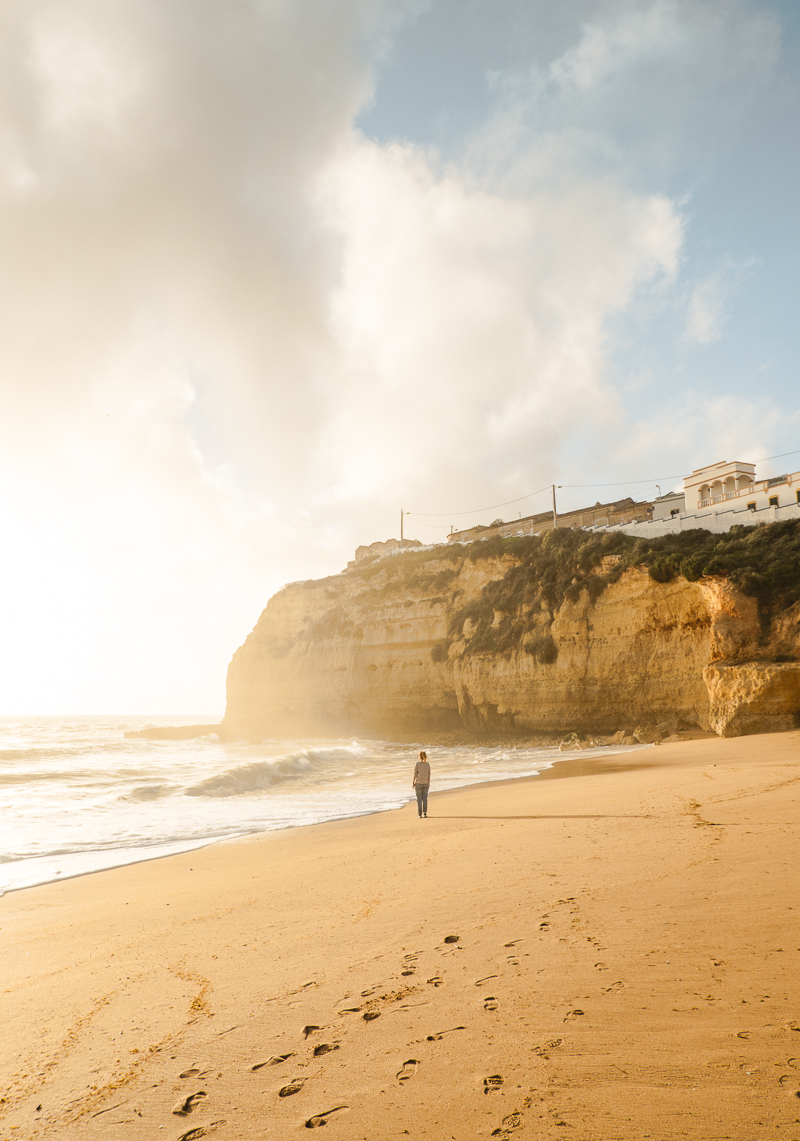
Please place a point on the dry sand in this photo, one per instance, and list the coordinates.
(627, 965)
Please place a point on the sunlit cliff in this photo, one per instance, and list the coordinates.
(567, 632)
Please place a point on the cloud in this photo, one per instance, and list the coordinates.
(644, 92)
(237, 336)
(704, 429)
(471, 325)
(632, 37)
(707, 307)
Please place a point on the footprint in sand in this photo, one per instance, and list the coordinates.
(437, 1037)
(494, 1081)
(480, 982)
(325, 1048)
(322, 1118)
(408, 1070)
(512, 961)
(618, 985)
(310, 1030)
(601, 966)
(275, 1060)
(573, 1014)
(509, 1124)
(292, 1088)
(185, 1107)
(202, 1130)
(437, 980)
(490, 1002)
(451, 938)
(371, 1015)
(544, 926)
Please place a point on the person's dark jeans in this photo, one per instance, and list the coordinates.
(422, 798)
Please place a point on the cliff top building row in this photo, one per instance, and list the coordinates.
(602, 514)
(714, 497)
(711, 498)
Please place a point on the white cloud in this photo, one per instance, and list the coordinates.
(472, 325)
(707, 307)
(706, 314)
(633, 37)
(236, 336)
(705, 429)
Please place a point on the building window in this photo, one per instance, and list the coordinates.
(773, 501)
(798, 496)
(751, 506)
(676, 510)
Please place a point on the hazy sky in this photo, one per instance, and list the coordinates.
(272, 270)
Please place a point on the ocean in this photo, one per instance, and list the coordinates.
(77, 796)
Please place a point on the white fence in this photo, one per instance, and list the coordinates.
(716, 521)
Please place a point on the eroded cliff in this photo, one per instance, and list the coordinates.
(494, 641)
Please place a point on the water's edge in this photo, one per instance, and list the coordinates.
(42, 870)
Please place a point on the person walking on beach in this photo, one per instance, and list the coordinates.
(422, 778)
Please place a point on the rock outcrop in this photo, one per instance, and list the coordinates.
(752, 697)
(407, 647)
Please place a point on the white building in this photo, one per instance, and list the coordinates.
(719, 496)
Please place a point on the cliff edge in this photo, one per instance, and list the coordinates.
(556, 634)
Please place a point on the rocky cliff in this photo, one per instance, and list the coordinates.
(513, 642)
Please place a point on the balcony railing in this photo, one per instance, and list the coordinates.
(762, 485)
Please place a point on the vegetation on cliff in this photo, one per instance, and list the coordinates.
(761, 561)
(516, 611)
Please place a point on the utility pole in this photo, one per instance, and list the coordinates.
(555, 513)
(401, 524)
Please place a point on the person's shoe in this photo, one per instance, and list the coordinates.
(419, 814)
(425, 814)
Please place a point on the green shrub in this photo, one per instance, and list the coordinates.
(761, 561)
(544, 649)
(439, 651)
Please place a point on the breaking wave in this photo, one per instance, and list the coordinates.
(258, 775)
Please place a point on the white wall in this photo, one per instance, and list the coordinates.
(718, 521)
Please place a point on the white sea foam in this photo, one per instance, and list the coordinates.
(77, 796)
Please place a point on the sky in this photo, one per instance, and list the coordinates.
(272, 271)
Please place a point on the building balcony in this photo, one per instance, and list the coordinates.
(761, 485)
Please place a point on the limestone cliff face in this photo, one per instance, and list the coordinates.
(387, 652)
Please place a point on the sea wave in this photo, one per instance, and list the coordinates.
(257, 775)
(56, 752)
(25, 778)
(252, 777)
(149, 792)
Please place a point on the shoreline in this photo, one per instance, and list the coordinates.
(561, 769)
(609, 956)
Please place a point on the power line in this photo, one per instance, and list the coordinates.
(764, 459)
(622, 482)
(477, 510)
(419, 523)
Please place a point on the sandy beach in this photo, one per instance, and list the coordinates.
(613, 954)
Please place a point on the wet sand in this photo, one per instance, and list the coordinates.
(611, 955)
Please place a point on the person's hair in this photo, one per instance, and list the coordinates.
(423, 756)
